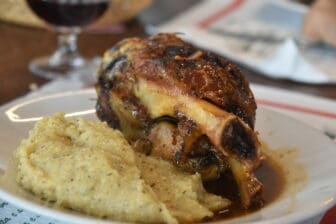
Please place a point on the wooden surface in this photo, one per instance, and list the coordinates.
(19, 45)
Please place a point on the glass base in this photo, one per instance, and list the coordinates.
(45, 67)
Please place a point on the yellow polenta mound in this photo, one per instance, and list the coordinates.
(181, 192)
(87, 166)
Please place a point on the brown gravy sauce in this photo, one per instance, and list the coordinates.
(279, 173)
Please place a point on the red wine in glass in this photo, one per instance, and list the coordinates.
(67, 17)
(68, 13)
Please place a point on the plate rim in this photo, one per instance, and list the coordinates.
(59, 215)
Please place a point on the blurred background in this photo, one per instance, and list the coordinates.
(285, 48)
(24, 37)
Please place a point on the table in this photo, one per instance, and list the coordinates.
(19, 45)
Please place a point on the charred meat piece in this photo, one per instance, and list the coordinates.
(183, 104)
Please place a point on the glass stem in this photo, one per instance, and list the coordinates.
(67, 54)
(68, 42)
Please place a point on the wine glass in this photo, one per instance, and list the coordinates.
(67, 17)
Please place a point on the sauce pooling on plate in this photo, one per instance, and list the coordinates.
(279, 173)
(270, 174)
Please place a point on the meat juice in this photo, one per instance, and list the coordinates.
(270, 174)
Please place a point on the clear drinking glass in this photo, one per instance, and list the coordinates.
(67, 17)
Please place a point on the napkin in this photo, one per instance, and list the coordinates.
(288, 62)
(264, 35)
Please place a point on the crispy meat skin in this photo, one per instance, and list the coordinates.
(186, 105)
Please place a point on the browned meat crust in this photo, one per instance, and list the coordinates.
(183, 104)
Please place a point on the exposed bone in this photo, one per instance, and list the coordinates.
(184, 104)
(211, 120)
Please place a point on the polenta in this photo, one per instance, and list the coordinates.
(87, 166)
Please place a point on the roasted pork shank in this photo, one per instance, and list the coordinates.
(183, 104)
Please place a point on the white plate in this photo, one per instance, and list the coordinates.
(316, 152)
